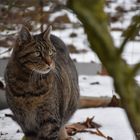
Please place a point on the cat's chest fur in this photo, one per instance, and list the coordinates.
(30, 91)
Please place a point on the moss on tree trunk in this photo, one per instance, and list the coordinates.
(94, 20)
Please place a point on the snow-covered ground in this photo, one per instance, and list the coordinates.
(5, 53)
(121, 9)
(113, 120)
(131, 53)
(96, 86)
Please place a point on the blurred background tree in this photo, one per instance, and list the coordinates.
(35, 14)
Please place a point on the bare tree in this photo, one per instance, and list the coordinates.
(94, 21)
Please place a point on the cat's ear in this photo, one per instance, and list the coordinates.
(24, 36)
(47, 33)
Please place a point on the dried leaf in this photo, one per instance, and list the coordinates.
(115, 102)
(90, 124)
(78, 127)
(81, 127)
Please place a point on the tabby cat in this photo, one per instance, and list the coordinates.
(41, 85)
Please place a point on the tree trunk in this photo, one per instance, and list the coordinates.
(94, 21)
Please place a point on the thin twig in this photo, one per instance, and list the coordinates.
(8, 50)
(135, 69)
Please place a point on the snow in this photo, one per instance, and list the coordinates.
(4, 53)
(8, 126)
(71, 16)
(55, 15)
(32, 8)
(96, 86)
(7, 32)
(79, 41)
(116, 35)
(113, 120)
(87, 57)
(46, 8)
(137, 78)
(2, 80)
(132, 50)
(130, 8)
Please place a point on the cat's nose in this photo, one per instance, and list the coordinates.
(48, 61)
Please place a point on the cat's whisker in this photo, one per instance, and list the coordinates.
(40, 78)
(31, 76)
(34, 77)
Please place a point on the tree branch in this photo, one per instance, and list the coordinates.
(95, 24)
(135, 69)
(130, 32)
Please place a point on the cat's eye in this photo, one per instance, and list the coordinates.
(50, 52)
(37, 54)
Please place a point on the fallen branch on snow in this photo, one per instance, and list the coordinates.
(83, 127)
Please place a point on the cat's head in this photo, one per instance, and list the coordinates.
(36, 53)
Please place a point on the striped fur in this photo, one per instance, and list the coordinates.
(41, 85)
